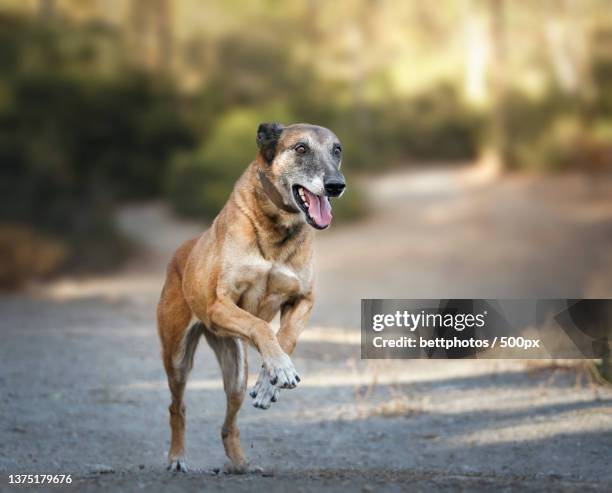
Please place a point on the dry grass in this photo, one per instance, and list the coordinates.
(585, 373)
(398, 403)
(26, 254)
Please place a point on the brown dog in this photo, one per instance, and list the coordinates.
(255, 260)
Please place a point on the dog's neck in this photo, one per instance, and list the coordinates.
(278, 222)
(274, 195)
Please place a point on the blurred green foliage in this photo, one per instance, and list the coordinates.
(561, 131)
(73, 142)
(200, 182)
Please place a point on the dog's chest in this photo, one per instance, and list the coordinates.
(268, 285)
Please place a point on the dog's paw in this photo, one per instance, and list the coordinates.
(241, 468)
(177, 465)
(281, 372)
(264, 393)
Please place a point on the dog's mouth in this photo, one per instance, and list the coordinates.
(316, 207)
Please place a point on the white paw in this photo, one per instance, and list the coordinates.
(264, 393)
(177, 465)
(281, 371)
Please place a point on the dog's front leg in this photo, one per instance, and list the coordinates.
(225, 315)
(294, 316)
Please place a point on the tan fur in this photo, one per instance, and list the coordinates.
(254, 261)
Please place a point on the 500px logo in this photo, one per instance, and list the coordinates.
(412, 321)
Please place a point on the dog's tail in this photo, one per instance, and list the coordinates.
(231, 355)
(183, 359)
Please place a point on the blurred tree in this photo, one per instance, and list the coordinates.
(46, 10)
(567, 45)
(151, 32)
(477, 56)
(499, 74)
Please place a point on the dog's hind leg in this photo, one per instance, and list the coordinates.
(232, 357)
(178, 368)
(179, 339)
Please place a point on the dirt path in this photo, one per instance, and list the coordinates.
(83, 390)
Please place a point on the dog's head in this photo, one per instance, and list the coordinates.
(303, 163)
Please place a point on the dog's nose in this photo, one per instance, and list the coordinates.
(334, 186)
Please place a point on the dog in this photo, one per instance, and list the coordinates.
(254, 261)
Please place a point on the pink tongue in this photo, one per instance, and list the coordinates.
(319, 209)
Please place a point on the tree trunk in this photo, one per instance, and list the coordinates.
(46, 10)
(567, 46)
(499, 130)
(151, 33)
(164, 35)
(477, 55)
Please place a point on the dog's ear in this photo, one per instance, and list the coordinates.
(267, 138)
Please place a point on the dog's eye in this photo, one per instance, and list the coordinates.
(337, 151)
(300, 149)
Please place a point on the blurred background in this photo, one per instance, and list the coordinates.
(108, 102)
(477, 140)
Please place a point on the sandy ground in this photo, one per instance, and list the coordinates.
(83, 390)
